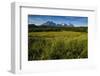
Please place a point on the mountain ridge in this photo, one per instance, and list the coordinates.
(53, 24)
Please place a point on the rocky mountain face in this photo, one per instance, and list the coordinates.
(51, 23)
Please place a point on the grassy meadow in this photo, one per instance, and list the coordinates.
(50, 45)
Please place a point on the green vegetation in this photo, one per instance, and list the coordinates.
(33, 28)
(53, 44)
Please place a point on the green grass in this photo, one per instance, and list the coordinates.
(57, 45)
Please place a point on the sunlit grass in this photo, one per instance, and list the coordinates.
(57, 45)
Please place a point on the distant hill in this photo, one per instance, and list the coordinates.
(32, 25)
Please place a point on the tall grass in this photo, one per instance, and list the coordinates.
(57, 45)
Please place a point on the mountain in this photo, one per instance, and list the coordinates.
(52, 24)
(71, 25)
(49, 23)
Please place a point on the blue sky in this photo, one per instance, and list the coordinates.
(40, 19)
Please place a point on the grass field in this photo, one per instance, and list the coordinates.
(57, 45)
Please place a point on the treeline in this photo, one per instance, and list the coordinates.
(47, 29)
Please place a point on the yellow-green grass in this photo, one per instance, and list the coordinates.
(57, 45)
